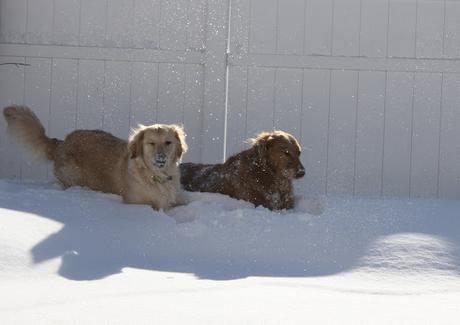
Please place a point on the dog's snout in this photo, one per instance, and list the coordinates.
(300, 172)
(160, 159)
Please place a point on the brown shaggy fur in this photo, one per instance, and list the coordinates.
(262, 174)
(143, 170)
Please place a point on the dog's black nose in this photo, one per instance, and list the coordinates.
(160, 156)
(300, 173)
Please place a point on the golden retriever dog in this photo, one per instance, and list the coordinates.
(262, 174)
(144, 170)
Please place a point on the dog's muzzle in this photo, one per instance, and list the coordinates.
(300, 172)
(160, 160)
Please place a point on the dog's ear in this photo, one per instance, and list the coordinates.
(136, 143)
(180, 135)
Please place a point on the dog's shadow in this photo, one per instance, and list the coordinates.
(218, 238)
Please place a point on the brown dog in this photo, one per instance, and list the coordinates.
(262, 174)
(143, 170)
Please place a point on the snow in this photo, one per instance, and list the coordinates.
(78, 256)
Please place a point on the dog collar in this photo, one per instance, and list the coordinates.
(161, 180)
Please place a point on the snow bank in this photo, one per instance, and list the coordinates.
(60, 248)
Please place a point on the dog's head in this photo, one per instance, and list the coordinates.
(281, 151)
(160, 146)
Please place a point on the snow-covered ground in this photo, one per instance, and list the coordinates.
(78, 256)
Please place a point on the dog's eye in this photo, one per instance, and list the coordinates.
(152, 143)
(168, 143)
(287, 153)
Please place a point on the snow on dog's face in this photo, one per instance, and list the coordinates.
(159, 145)
(282, 152)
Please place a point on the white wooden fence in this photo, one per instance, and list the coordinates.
(370, 87)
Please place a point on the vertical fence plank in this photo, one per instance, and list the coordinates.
(173, 25)
(262, 26)
(449, 178)
(66, 22)
(342, 133)
(369, 133)
(398, 131)
(11, 92)
(430, 28)
(195, 27)
(374, 26)
(146, 27)
(238, 78)
(261, 99)
(120, 14)
(193, 103)
(117, 97)
(13, 16)
(315, 128)
(401, 29)
(346, 28)
(171, 93)
(239, 34)
(90, 100)
(237, 102)
(452, 29)
(93, 22)
(40, 22)
(214, 81)
(319, 24)
(144, 94)
(291, 27)
(37, 97)
(288, 101)
(425, 135)
(64, 86)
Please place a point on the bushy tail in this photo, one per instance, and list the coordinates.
(25, 126)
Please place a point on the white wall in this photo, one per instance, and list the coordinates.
(370, 87)
(111, 64)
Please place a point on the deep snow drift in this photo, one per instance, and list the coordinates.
(79, 256)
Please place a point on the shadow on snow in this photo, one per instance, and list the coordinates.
(214, 237)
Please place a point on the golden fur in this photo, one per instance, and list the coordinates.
(262, 174)
(143, 170)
